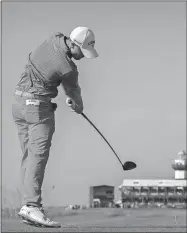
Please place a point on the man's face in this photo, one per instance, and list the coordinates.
(76, 52)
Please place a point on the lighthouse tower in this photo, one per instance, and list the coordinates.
(180, 166)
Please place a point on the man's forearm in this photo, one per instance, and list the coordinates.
(74, 93)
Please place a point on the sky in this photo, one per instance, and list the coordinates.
(134, 92)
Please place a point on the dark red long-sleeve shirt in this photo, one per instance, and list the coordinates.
(50, 65)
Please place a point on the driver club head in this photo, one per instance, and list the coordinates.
(129, 165)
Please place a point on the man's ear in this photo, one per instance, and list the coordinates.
(72, 45)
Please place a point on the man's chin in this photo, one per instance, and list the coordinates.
(77, 58)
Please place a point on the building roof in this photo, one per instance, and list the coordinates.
(101, 186)
(151, 183)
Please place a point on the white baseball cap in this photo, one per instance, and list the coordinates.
(85, 39)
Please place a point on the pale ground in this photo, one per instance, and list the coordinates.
(110, 220)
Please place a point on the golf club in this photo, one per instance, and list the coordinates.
(129, 165)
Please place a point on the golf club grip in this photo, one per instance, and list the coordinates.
(101, 136)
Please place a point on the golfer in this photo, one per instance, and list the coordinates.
(49, 66)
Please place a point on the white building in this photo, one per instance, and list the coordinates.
(147, 190)
(180, 166)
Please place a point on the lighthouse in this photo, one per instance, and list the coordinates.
(180, 166)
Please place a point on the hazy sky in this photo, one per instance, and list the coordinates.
(135, 93)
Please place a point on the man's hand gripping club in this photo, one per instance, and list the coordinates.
(71, 103)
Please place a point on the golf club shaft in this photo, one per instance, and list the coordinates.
(102, 136)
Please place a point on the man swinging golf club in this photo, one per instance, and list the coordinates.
(49, 66)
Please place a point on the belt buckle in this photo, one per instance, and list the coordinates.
(33, 102)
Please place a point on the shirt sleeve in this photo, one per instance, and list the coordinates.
(72, 89)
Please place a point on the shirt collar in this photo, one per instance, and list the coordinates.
(65, 48)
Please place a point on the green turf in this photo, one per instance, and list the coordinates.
(108, 220)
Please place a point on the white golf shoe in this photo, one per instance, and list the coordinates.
(36, 216)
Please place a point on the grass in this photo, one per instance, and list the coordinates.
(108, 220)
(11, 213)
(53, 212)
(7, 213)
(115, 213)
(62, 213)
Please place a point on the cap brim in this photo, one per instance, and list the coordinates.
(90, 53)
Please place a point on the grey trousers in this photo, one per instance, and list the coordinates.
(36, 125)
